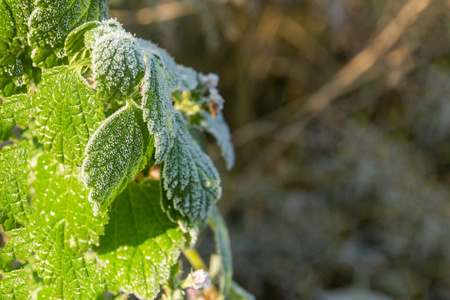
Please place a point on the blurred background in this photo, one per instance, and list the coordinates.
(340, 116)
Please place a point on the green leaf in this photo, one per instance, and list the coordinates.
(19, 246)
(68, 113)
(239, 293)
(16, 109)
(222, 239)
(51, 22)
(140, 244)
(14, 16)
(113, 156)
(13, 186)
(11, 76)
(118, 65)
(14, 285)
(75, 47)
(190, 178)
(70, 277)
(157, 107)
(218, 128)
(61, 197)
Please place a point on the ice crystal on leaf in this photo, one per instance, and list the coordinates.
(11, 76)
(216, 126)
(113, 156)
(75, 46)
(190, 178)
(118, 65)
(51, 22)
(14, 16)
(68, 113)
(188, 78)
(157, 106)
(170, 66)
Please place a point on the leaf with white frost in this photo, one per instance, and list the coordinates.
(68, 113)
(113, 156)
(190, 177)
(118, 65)
(140, 243)
(188, 78)
(14, 207)
(170, 66)
(75, 47)
(61, 197)
(14, 16)
(157, 107)
(52, 21)
(11, 76)
(218, 128)
(107, 26)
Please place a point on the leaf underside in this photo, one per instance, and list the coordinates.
(190, 178)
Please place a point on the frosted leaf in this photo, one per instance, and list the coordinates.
(69, 277)
(17, 247)
(170, 66)
(118, 65)
(11, 76)
(104, 27)
(140, 243)
(14, 285)
(16, 109)
(14, 207)
(190, 178)
(113, 156)
(216, 100)
(75, 47)
(157, 107)
(209, 81)
(51, 22)
(14, 16)
(222, 240)
(218, 128)
(61, 197)
(188, 78)
(68, 113)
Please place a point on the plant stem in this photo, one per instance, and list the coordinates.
(194, 258)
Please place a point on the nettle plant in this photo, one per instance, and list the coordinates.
(104, 176)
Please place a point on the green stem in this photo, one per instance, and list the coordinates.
(194, 258)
